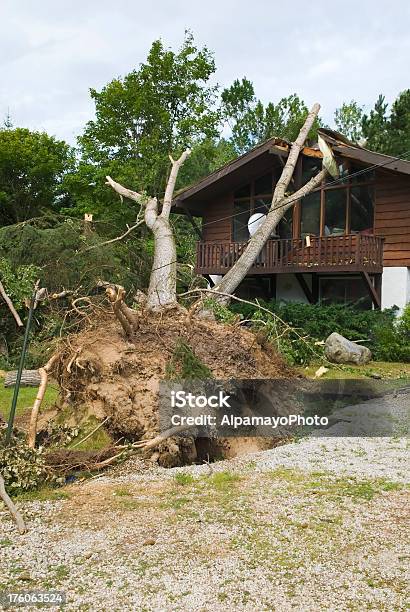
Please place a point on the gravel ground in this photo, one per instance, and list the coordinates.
(321, 524)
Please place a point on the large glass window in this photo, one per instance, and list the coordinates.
(362, 209)
(310, 218)
(335, 212)
(284, 229)
(249, 199)
(242, 212)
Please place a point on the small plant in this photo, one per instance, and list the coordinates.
(23, 468)
(185, 365)
(184, 479)
(222, 313)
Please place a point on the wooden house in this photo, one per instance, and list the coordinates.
(347, 241)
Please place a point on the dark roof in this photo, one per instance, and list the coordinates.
(339, 143)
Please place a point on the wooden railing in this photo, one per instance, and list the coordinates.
(352, 252)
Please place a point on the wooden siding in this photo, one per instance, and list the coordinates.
(392, 217)
(216, 227)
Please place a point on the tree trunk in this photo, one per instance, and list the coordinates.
(280, 204)
(162, 285)
(162, 290)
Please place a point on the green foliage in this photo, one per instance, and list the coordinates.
(315, 322)
(32, 167)
(23, 468)
(185, 365)
(348, 120)
(392, 342)
(18, 281)
(58, 249)
(251, 122)
(222, 313)
(159, 108)
(389, 132)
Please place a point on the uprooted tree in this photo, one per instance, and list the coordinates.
(162, 287)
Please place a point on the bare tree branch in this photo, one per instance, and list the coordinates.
(124, 235)
(10, 305)
(12, 508)
(169, 191)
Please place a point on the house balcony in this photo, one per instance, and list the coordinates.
(325, 254)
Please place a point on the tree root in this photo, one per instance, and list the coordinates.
(32, 432)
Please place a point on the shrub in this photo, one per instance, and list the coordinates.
(385, 336)
(392, 343)
(23, 468)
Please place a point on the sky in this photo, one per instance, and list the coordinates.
(51, 52)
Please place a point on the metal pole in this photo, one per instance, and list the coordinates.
(21, 366)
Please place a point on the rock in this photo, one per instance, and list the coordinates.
(149, 542)
(341, 350)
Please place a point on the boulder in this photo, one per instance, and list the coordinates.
(341, 350)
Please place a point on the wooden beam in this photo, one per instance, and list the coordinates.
(374, 294)
(193, 222)
(305, 288)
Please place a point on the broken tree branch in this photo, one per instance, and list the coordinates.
(12, 508)
(169, 191)
(91, 433)
(149, 444)
(10, 305)
(117, 239)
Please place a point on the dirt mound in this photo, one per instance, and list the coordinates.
(119, 377)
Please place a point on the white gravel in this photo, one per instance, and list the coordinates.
(321, 524)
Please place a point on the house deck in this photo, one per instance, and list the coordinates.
(345, 253)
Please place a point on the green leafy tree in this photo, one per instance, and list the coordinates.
(250, 122)
(375, 126)
(398, 141)
(348, 120)
(163, 106)
(32, 169)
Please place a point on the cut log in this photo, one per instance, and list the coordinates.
(29, 378)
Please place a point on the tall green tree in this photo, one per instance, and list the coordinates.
(348, 120)
(250, 122)
(163, 106)
(32, 170)
(375, 126)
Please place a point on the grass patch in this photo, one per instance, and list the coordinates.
(223, 481)
(388, 370)
(99, 440)
(25, 400)
(44, 494)
(184, 479)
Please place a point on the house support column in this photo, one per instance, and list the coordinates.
(374, 290)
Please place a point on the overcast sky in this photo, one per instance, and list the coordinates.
(52, 52)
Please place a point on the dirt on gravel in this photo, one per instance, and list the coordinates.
(117, 376)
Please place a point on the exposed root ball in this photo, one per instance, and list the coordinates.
(118, 376)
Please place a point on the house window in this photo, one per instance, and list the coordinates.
(240, 220)
(253, 198)
(310, 218)
(362, 209)
(336, 201)
(345, 290)
(339, 206)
